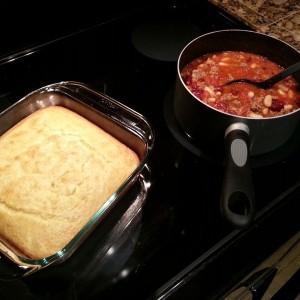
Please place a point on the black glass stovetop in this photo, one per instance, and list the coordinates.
(167, 239)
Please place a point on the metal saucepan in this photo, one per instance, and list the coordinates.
(243, 137)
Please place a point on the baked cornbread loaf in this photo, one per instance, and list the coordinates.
(56, 170)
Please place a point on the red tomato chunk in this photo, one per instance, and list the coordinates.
(205, 78)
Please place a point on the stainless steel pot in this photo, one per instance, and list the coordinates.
(242, 136)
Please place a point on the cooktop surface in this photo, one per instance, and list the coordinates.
(167, 239)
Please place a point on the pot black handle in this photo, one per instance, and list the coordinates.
(237, 195)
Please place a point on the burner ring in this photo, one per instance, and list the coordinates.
(163, 40)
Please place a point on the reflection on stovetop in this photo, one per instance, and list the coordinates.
(180, 221)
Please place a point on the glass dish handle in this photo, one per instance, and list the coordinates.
(11, 267)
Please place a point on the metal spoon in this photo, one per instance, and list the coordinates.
(272, 80)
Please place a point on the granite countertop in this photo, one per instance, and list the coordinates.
(279, 18)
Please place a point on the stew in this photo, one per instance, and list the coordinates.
(205, 78)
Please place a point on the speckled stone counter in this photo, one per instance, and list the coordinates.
(279, 18)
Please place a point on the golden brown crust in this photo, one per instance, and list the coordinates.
(56, 170)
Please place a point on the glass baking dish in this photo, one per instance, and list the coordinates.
(125, 124)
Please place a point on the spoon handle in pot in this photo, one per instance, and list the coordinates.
(237, 201)
(283, 74)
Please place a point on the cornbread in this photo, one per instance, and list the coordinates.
(56, 170)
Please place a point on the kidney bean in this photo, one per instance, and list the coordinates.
(277, 105)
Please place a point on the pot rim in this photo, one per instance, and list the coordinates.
(185, 48)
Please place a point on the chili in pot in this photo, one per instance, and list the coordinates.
(206, 78)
